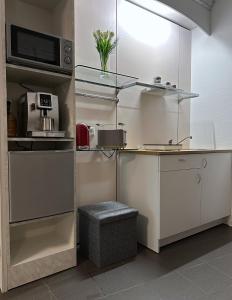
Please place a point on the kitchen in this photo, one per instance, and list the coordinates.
(161, 184)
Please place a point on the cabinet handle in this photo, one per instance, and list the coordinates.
(198, 178)
(205, 163)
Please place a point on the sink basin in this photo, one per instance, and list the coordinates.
(165, 147)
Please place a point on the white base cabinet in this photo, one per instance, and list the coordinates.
(139, 186)
(175, 193)
(216, 187)
(180, 202)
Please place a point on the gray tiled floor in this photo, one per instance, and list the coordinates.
(197, 268)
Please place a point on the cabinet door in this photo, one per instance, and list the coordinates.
(180, 202)
(139, 187)
(216, 187)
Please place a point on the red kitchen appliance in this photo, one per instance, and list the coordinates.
(82, 136)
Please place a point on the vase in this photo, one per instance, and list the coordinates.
(104, 62)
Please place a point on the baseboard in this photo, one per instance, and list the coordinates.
(182, 235)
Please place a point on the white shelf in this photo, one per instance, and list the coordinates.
(41, 238)
(33, 248)
(27, 222)
(34, 76)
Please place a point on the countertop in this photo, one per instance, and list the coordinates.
(175, 152)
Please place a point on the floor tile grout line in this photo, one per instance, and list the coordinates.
(191, 267)
(192, 282)
(123, 290)
(50, 290)
(217, 257)
(216, 269)
(150, 280)
(220, 271)
(134, 286)
(99, 288)
(115, 293)
(142, 284)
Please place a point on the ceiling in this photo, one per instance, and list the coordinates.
(208, 4)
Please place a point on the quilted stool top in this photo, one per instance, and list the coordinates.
(107, 212)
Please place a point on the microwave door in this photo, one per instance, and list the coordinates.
(33, 48)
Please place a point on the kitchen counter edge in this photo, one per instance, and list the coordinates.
(175, 152)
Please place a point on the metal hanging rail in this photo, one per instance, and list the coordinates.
(95, 96)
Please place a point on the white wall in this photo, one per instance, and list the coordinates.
(211, 121)
(148, 119)
(152, 119)
(96, 174)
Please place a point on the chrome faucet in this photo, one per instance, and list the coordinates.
(187, 137)
(170, 142)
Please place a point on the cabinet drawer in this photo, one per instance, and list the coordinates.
(181, 162)
(41, 184)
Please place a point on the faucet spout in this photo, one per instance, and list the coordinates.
(187, 137)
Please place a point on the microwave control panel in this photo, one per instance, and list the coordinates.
(68, 53)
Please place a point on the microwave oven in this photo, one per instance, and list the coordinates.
(38, 50)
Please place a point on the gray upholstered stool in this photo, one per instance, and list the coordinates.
(108, 232)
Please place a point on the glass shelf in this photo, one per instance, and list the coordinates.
(164, 91)
(107, 79)
(119, 81)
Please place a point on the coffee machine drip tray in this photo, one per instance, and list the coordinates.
(50, 134)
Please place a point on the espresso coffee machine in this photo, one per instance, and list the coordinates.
(38, 115)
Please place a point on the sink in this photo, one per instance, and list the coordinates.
(164, 147)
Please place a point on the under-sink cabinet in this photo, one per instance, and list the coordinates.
(180, 201)
(216, 187)
(176, 195)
